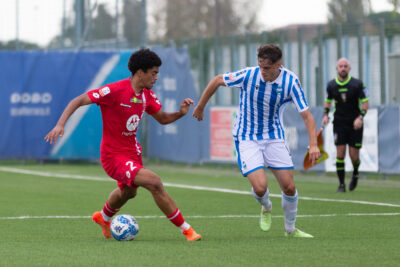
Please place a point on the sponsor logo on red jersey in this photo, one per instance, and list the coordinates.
(132, 123)
(136, 100)
(104, 91)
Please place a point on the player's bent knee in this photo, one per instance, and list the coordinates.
(289, 190)
(158, 187)
(260, 190)
(155, 185)
(132, 194)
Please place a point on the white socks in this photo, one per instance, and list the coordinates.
(289, 205)
(185, 226)
(264, 200)
(105, 216)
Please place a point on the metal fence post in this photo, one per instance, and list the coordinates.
(201, 65)
(264, 38)
(143, 24)
(234, 65)
(360, 52)
(319, 85)
(300, 52)
(79, 21)
(308, 72)
(17, 47)
(117, 23)
(384, 95)
(339, 35)
(281, 39)
(217, 64)
(247, 43)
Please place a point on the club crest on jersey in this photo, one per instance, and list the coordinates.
(343, 97)
(136, 100)
(279, 89)
(257, 86)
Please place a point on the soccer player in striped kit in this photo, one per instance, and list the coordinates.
(123, 105)
(258, 130)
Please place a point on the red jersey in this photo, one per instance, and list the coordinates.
(121, 110)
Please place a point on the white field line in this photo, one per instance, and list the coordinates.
(204, 217)
(203, 188)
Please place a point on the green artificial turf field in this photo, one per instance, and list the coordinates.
(45, 220)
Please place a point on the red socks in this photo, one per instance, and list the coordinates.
(108, 212)
(176, 218)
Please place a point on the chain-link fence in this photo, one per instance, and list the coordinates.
(311, 51)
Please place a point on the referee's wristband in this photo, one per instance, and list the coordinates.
(362, 113)
(326, 111)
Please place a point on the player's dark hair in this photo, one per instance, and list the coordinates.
(143, 59)
(271, 52)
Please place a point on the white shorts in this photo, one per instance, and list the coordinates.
(257, 154)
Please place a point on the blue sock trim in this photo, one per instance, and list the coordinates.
(290, 198)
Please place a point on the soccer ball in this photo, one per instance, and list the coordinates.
(124, 227)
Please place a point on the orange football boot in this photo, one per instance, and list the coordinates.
(105, 226)
(191, 235)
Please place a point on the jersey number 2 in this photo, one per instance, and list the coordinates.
(130, 163)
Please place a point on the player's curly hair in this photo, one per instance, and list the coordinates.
(271, 52)
(143, 59)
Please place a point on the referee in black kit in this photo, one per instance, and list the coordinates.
(348, 93)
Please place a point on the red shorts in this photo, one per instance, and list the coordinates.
(122, 168)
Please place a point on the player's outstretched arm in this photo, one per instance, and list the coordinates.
(74, 104)
(312, 134)
(167, 117)
(211, 88)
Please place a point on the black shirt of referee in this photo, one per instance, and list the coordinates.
(347, 96)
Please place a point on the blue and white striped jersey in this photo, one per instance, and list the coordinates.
(262, 103)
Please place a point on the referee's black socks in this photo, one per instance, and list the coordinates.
(340, 170)
(356, 164)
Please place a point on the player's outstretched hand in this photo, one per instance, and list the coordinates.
(53, 134)
(185, 106)
(314, 154)
(198, 113)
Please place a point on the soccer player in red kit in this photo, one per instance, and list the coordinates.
(122, 105)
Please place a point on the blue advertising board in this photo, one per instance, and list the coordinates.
(37, 86)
